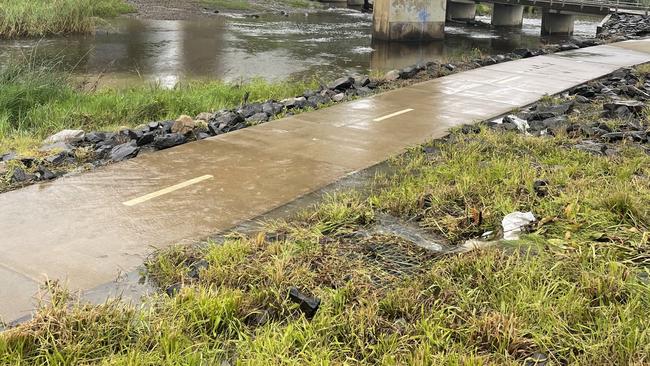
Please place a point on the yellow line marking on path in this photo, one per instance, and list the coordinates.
(167, 190)
(393, 115)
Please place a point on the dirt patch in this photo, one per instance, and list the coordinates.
(169, 9)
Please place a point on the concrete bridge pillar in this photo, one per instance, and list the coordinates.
(555, 23)
(461, 10)
(412, 20)
(504, 15)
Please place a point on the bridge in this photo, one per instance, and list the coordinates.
(417, 20)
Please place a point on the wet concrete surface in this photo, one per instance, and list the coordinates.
(78, 229)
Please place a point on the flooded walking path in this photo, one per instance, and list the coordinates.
(324, 45)
(87, 229)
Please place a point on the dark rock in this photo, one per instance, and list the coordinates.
(584, 90)
(582, 99)
(146, 138)
(125, 151)
(202, 136)
(272, 108)
(169, 140)
(249, 110)
(20, 176)
(546, 112)
(59, 158)
(592, 147)
(523, 52)
(95, 137)
(173, 290)
(220, 121)
(615, 108)
(318, 100)
(42, 173)
(129, 134)
(407, 72)
(258, 118)
(342, 84)
(11, 155)
(28, 161)
(361, 82)
(613, 136)
(363, 91)
(308, 305)
(166, 126)
(197, 267)
(541, 187)
(470, 129)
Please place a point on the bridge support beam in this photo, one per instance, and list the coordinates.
(461, 10)
(556, 23)
(355, 2)
(413, 20)
(504, 15)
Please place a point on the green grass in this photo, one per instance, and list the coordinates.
(37, 18)
(574, 290)
(36, 100)
(483, 9)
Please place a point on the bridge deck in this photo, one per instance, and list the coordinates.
(80, 229)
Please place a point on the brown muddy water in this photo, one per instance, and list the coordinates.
(325, 45)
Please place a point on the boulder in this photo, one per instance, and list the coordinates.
(362, 81)
(124, 151)
(338, 97)
(183, 125)
(60, 158)
(42, 173)
(297, 103)
(168, 140)
(95, 137)
(146, 138)
(250, 109)
(318, 100)
(392, 75)
(20, 176)
(272, 108)
(56, 147)
(258, 118)
(308, 305)
(67, 136)
(592, 147)
(342, 84)
(408, 72)
(616, 108)
(546, 112)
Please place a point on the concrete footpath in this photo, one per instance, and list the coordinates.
(85, 230)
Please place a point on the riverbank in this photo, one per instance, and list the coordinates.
(174, 10)
(336, 285)
(39, 18)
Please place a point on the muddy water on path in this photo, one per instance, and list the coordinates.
(325, 44)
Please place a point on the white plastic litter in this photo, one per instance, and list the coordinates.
(513, 222)
(522, 124)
